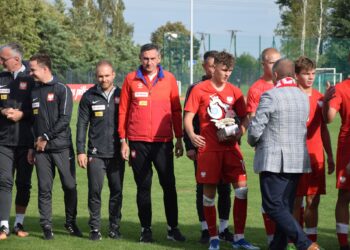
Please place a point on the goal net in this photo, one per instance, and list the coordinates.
(324, 75)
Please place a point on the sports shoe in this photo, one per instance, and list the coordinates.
(243, 244)
(146, 236)
(114, 232)
(95, 235)
(226, 235)
(4, 233)
(204, 239)
(214, 244)
(175, 235)
(291, 246)
(73, 229)
(47, 231)
(19, 230)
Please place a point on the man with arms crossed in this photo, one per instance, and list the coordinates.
(337, 99)
(149, 112)
(313, 184)
(52, 110)
(268, 57)
(219, 156)
(224, 189)
(15, 108)
(278, 133)
(98, 111)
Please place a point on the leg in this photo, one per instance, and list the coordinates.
(23, 184)
(311, 216)
(224, 207)
(278, 192)
(6, 184)
(45, 173)
(115, 176)
(296, 208)
(342, 217)
(162, 156)
(96, 170)
(142, 169)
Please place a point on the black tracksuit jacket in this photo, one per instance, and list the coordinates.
(99, 113)
(15, 93)
(52, 106)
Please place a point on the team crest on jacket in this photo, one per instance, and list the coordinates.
(50, 97)
(23, 85)
(133, 154)
(140, 85)
(116, 100)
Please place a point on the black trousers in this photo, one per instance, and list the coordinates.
(278, 193)
(114, 169)
(143, 154)
(14, 159)
(224, 199)
(45, 169)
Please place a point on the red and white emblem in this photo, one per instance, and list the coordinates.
(23, 85)
(50, 97)
(133, 154)
(116, 100)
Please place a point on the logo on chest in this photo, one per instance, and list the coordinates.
(50, 97)
(23, 85)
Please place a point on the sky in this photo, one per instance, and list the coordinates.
(252, 18)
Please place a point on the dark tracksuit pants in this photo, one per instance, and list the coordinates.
(143, 154)
(45, 169)
(114, 169)
(14, 159)
(224, 199)
(278, 193)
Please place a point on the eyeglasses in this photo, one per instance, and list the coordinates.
(3, 60)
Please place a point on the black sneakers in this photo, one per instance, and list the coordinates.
(47, 231)
(204, 239)
(95, 235)
(226, 235)
(146, 236)
(175, 235)
(114, 232)
(73, 229)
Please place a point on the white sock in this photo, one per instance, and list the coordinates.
(237, 237)
(311, 230)
(19, 219)
(223, 225)
(269, 238)
(204, 225)
(4, 223)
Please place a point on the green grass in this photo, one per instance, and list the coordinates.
(188, 220)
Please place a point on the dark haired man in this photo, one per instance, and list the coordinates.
(52, 109)
(149, 114)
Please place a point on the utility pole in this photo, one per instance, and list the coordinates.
(203, 36)
(234, 40)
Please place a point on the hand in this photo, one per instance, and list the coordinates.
(14, 115)
(191, 154)
(40, 144)
(5, 111)
(331, 165)
(197, 140)
(30, 156)
(82, 160)
(179, 149)
(330, 92)
(125, 151)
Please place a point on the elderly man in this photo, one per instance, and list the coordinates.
(278, 131)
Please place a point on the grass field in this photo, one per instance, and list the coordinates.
(188, 220)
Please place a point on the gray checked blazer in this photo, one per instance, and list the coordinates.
(278, 131)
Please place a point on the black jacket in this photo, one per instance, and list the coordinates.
(16, 94)
(100, 114)
(52, 106)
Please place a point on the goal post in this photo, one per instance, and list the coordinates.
(324, 75)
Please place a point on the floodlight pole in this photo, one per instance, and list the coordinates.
(191, 45)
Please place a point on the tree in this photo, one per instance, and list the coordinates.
(18, 23)
(246, 69)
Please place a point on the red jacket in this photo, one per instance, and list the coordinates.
(150, 111)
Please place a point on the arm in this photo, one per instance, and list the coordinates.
(124, 105)
(82, 125)
(197, 140)
(260, 120)
(190, 148)
(328, 112)
(326, 140)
